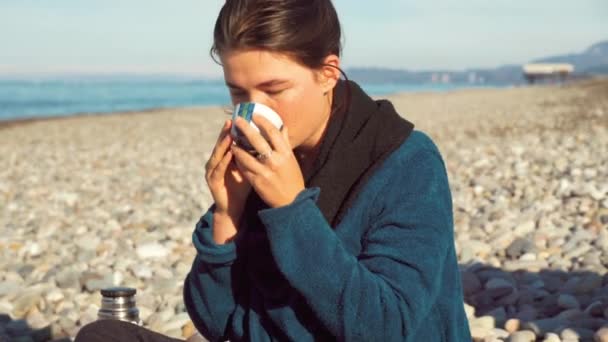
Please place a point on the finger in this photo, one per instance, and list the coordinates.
(214, 155)
(219, 172)
(246, 161)
(255, 138)
(270, 133)
(219, 151)
(225, 129)
(248, 175)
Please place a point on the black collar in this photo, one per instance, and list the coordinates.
(355, 144)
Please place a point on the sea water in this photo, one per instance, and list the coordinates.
(27, 98)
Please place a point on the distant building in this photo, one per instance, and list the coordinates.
(547, 71)
(445, 78)
(472, 77)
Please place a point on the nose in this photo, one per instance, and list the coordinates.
(256, 97)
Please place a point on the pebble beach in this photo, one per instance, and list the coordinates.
(92, 201)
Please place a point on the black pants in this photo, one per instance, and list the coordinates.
(119, 331)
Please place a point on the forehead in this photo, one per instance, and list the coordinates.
(255, 66)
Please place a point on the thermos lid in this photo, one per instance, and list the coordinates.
(118, 292)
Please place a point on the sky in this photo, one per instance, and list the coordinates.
(174, 36)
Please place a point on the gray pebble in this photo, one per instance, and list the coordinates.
(567, 301)
(523, 336)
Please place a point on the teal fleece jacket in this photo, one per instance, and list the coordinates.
(388, 272)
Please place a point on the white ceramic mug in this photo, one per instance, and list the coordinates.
(247, 110)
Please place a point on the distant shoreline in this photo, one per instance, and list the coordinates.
(12, 122)
(54, 98)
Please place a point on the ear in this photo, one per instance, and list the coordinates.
(329, 73)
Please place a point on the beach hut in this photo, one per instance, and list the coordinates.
(547, 71)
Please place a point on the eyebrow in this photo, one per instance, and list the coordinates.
(261, 85)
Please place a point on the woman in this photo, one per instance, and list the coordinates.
(340, 226)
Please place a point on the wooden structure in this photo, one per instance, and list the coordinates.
(550, 71)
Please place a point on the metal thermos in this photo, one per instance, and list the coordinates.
(119, 303)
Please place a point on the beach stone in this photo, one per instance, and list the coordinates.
(499, 314)
(469, 310)
(538, 284)
(479, 333)
(552, 337)
(176, 322)
(26, 301)
(470, 283)
(509, 299)
(68, 278)
(543, 326)
(523, 336)
(466, 254)
(152, 250)
(36, 320)
(576, 334)
(499, 333)
(567, 301)
(141, 271)
(499, 292)
(570, 314)
(188, 329)
(528, 257)
(94, 282)
(529, 265)
(520, 246)
(601, 335)
(175, 333)
(54, 295)
(525, 228)
(157, 319)
(527, 313)
(570, 285)
(595, 309)
(8, 287)
(589, 322)
(495, 283)
(512, 325)
(486, 322)
(589, 283)
(69, 198)
(88, 242)
(479, 248)
(552, 280)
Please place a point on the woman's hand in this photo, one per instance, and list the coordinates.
(227, 185)
(275, 173)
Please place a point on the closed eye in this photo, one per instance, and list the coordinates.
(236, 92)
(274, 92)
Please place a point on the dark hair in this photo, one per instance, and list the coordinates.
(306, 30)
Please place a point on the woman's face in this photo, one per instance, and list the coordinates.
(300, 95)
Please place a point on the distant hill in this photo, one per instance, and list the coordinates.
(592, 61)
